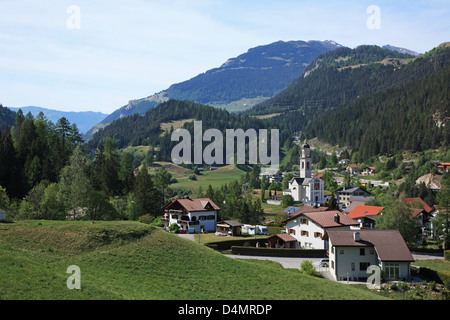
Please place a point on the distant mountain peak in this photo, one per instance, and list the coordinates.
(401, 50)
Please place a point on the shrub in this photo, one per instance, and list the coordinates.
(146, 218)
(307, 268)
(174, 227)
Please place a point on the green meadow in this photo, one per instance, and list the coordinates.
(130, 260)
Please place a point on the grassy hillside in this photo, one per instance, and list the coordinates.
(215, 178)
(130, 260)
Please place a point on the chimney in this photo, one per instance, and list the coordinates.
(337, 219)
(356, 236)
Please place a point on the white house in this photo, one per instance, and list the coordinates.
(198, 214)
(306, 189)
(308, 228)
(351, 252)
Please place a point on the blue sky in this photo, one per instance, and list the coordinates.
(125, 50)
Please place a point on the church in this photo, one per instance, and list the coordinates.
(305, 188)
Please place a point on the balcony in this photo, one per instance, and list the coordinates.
(187, 222)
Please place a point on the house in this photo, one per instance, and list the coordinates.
(2, 215)
(273, 177)
(344, 161)
(229, 227)
(198, 215)
(368, 171)
(305, 188)
(365, 215)
(282, 240)
(419, 203)
(353, 169)
(352, 252)
(298, 210)
(443, 167)
(425, 215)
(308, 228)
(344, 194)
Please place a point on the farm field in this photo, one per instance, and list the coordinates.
(131, 260)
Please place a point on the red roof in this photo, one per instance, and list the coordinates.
(190, 205)
(364, 211)
(425, 206)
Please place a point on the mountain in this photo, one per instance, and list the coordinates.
(371, 99)
(240, 82)
(84, 120)
(401, 50)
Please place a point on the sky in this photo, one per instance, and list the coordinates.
(97, 55)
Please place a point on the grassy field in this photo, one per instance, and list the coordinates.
(215, 178)
(130, 260)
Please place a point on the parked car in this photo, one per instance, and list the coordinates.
(324, 262)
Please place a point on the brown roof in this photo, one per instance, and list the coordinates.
(231, 223)
(284, 236)
(304, 209)
(325, 219)
(190, 205)
(388, 244)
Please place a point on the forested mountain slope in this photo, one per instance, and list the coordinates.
(354, 97)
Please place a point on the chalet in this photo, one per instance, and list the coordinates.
(365, 215)
(197, 215)
(308, 228)
(344, 194)
(297, 210)
(423, 211)
(443, 167)
(368, 171)
(352, 252)
(229, 227)
(353, 169)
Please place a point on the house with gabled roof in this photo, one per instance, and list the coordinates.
(192, 215)
(351, 252)
(308, 228)
(365, 215)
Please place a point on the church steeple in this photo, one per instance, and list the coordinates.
(305, 161)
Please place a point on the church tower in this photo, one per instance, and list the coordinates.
(305, 161)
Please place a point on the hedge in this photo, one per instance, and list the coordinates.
(442, 277)
(447, 255)
(275, 252)
(227, 244)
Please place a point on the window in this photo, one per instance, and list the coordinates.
(353, 266)
(364, 265)
(292, 231)
(304, 221)
(332, 250)
(362, 252)
(392, 270)
(341, 251)
(317, 235)
(305, 233)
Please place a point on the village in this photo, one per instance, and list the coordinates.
(342, 240)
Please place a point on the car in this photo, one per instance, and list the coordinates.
(324, 262)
